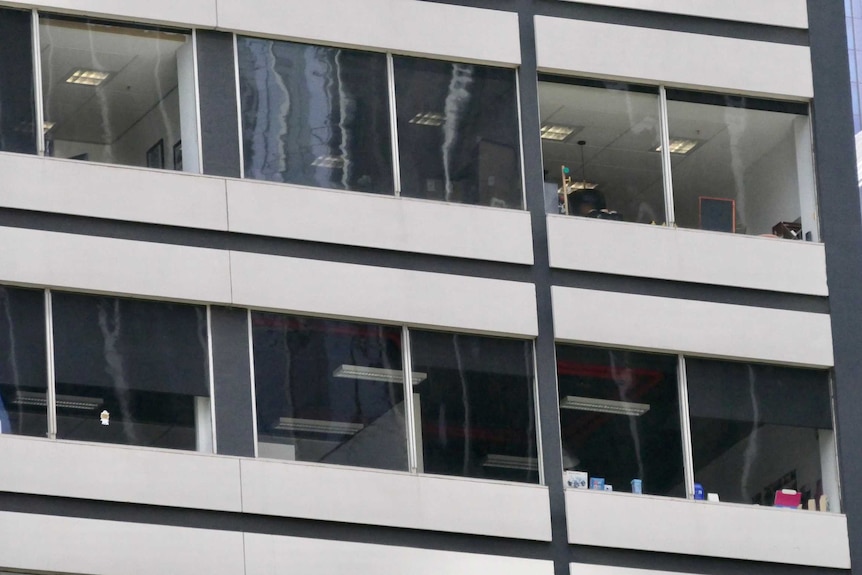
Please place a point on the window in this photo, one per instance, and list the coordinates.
(120, 94)
(757, 429)
(329, 391)
(315, 116)
(322, 116)
(23, 362)
(731, 164)
(131, 372)
(458, 135)
(17, 110)
(332, 391)
(619, 418)
(752, 430)
(474, 406)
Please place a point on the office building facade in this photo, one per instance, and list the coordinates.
(516, 286)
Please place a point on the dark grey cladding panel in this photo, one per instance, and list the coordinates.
(218, 104)
(232, 381)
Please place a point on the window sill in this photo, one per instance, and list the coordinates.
(727, 530)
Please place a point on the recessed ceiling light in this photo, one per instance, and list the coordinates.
(680, 145)
(376, 374)
(46, 126)
(318, 426)
(604, 405)
(511, 462)
(556, 132)
(428, 119)
(87, 77)
(328, 162)
(62, 401)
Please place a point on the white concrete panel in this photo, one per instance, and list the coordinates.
(268, 555)
(588, 569)
(122, 267)
(371, 497)
(695, 327)
(96, 547)
(687, 255)
(200, 13)
(385, 222)
(727, 530)
(673, 58)
(405, 26)
(115, 473)
(114, 192)
(790, 13)
(415, 298)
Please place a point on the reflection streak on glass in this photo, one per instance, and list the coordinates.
(457, 102)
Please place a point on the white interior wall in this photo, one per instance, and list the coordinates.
(769, 194)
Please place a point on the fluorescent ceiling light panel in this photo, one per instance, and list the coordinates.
(87, 77)
(318, 426)
(376, 374)
(428, 119)
(511, 462)
(64, 401)
(582, 185)
(556, 132)
(680, 146)
(604, 405)
(328, 162)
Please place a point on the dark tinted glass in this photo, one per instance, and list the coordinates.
(315, 116)
(473, 398)
(619, 418)
(329, 391)
(23, 371)
(17, 103)
(757, 429)
(458, 132)
(142, 364)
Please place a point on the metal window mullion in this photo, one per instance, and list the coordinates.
(198, 127)
(49, 353)
(239, 137)
(37, 83)
(685, 427)
(521, 146)
(393, 124)
(253, 389)
(539, 457)
(667, 176)
(211, 378)
(409, 413)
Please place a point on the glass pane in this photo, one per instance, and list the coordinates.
(23, 363)
(329, 391)
(458, 135)
(473, 399)
(118, 94)
(603, 137)
(741, 165)
(17, 108)
(619, 420)
(758, 429)
(131, 372)
(315, 116)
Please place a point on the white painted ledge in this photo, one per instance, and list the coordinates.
(119, 473)
(694, 327)
(384, 222)
(192, 13)
(403, 26)
(268, 554)
(629, 249)
(47, 543)
(672, 58)
(364, 496)
(112, 192)
(727, 530)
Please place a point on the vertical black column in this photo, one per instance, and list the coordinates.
(546, 374)
(232, 381)
(217, 94)
(841, 226)
(17, 99)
